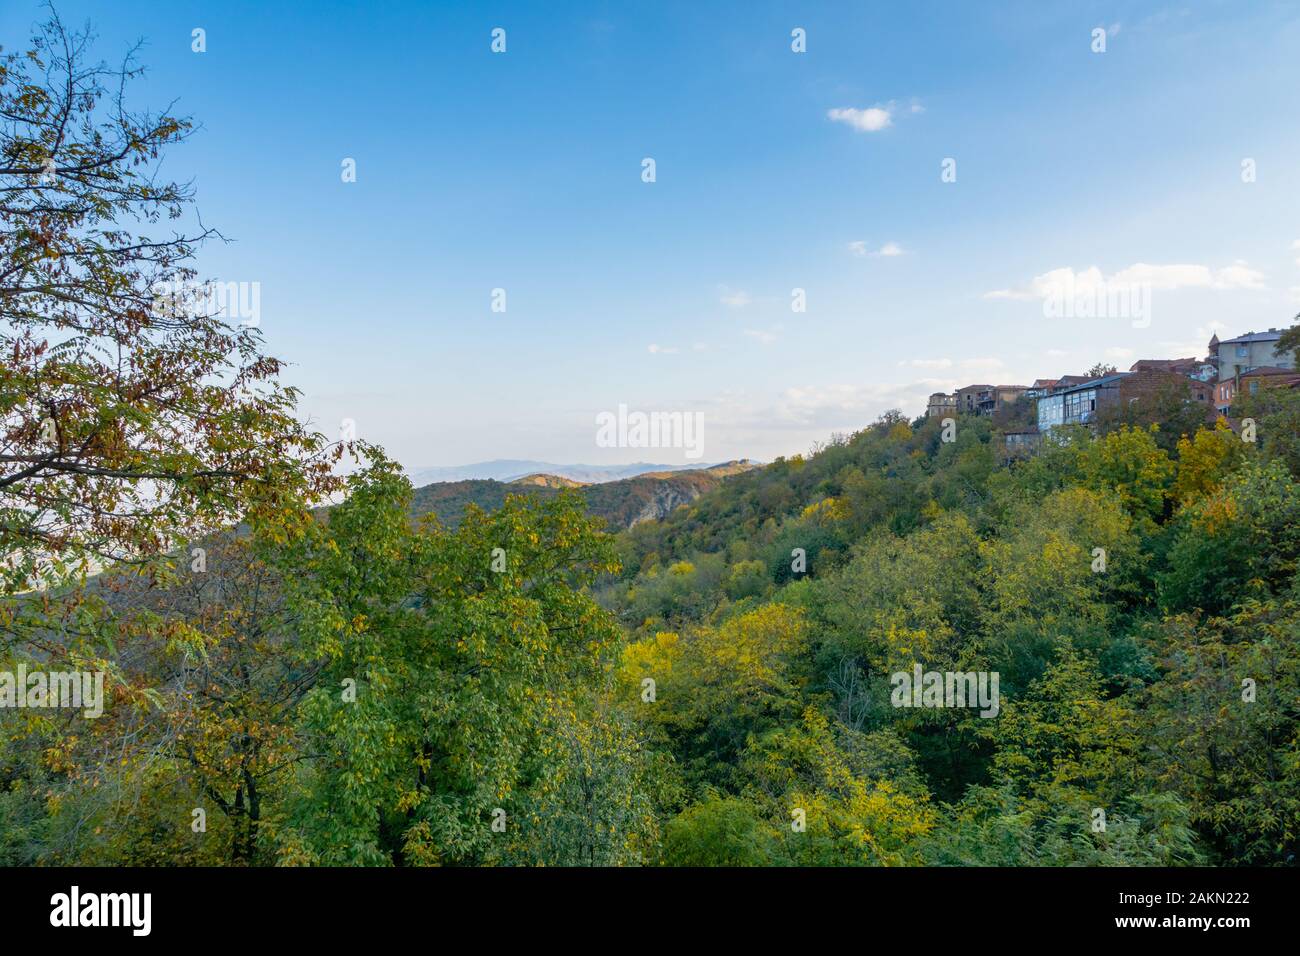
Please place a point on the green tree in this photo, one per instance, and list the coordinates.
(1289, 343)
(441, 676)
(1241, 541)
(1130, 463)
(1223, 726)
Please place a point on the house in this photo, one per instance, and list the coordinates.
(968, 398)
(941, 405)
(1267, 376)
(1224, 392)
(1041, 387)
(1020, 443)
(1068, 381)
(1253, 350)
(987, 399)
(1199, 369)
(1080, 404)
(1003, 395)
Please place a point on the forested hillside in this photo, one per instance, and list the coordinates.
(369, 691)
(1142, 609)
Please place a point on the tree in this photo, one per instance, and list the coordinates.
(218, 646)
(1204, 460)
(1100, 370)
(132, 414)
(1240, 541)
(1289, 343)
(204, 682)
(1064, 742)
(448, 704)
(1223, 726)
(715, 686)
(858, 796)
(1131, 463)
(1276, 413)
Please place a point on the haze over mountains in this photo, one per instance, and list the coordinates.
(511, 469)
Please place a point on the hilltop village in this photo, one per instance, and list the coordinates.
(1151, 390)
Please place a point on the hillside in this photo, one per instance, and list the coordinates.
(1095, 586)
(548, 481)
(623, 504)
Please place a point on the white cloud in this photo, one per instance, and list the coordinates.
(871, 120)
(982, 363)
(1056, 353)
(1295, 247)
(763, 337)
(1167, 278)
(1238, 276)
(1163, 278)
(1115, 352)
(928, 363)
(889, 249)
(661, 350)
(733, 298)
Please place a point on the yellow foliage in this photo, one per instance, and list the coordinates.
(826, 510)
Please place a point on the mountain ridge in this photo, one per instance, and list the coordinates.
(512, 469)
(623, 503)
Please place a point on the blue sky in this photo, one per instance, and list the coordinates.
(522, 170)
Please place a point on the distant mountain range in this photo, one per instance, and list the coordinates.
(622, 502)
(511, 469)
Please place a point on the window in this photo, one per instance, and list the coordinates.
(1243, 351)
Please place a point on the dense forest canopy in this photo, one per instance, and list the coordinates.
(527, 688)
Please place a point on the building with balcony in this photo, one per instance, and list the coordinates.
(1194, 368)
(987, 399)
(1080, 404)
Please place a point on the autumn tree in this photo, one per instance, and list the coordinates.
(133, 414)
(134, 417)
(1130, 463)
